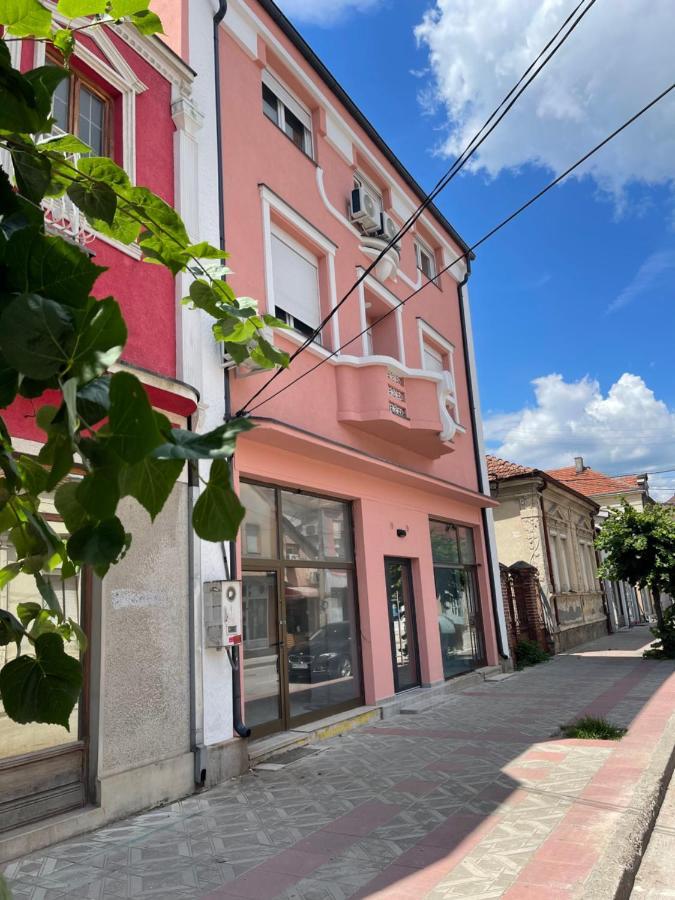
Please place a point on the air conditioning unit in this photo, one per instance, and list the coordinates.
(365, 209)
(389, 229)
(222, 613)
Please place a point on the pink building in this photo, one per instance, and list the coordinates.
(363, 554)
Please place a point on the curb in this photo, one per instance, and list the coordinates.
(615, 872)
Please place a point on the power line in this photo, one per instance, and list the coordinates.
(445, 179)
(478, 243)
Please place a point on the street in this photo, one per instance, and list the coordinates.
(474, 798)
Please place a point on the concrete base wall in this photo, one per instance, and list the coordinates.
(582, 634)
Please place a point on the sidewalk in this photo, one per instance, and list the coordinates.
(474, 798)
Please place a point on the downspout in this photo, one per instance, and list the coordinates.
(229, 555)
(482, 487)
(199, 750)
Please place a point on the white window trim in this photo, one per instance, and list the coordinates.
(422, 247)
(392, 301)
(557, 587)
(244, 25)
(270, 201)
(286, 100)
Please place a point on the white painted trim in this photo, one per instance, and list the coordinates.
(329, 206)
(15, 53)
(241, 17)
(30, 448)
(296, 220)
(171, 386)
(391, 299)
(332, 295)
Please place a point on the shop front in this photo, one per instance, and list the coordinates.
(301, 635)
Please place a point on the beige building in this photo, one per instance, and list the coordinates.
(627, 605)
(547, 524)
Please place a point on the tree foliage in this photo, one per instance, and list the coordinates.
(639, 548)
(102, 439)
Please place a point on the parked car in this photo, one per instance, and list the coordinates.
(326, 654)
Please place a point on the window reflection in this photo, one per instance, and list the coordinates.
(259, 531)
(314, 528)
(321, 638)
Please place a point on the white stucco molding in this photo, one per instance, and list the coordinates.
(245, 26)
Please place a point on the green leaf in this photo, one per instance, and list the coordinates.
(34, 475)
(70, 509)
(80, 636)
(133, 427)
(267, 355)
(204, 297)
(147, 22)
(27, 612)
(100, 341)
(93, 400)
(8, 573)
(44, 688)
(236, 331)
(9, 382)
(74, 9)
(104, 171)
(216, 444)
(217, 514)
(99, 545)
(121, 8)
(48, 594)
(51, 267)
(151, 481)
(64, 143)
(99, 493)
(11, 630)
(97, 201)
(44, 80)
(204, 250)
(64, 40)
(35, 335)
(33, 173)
(57, 453)
(25, 18)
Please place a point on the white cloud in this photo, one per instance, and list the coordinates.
(324, 12)
(628, 430)
(617, 59)
(655, 273)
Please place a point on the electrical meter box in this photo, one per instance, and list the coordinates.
(222, 613)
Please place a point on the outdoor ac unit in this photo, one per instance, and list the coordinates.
(222, 613)
(389, 229)
(365, 209)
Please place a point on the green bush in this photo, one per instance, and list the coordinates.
(664, 647)
(592, 729)
(529, 653)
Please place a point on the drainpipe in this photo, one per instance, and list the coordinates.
(483, 487)
(199, 750)
(229, 554)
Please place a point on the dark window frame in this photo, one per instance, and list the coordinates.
(78, 81)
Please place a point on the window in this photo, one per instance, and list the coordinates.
(433, 360)
(588, 565)
(80, 108)
(426, 261)
(295, 278)
(560, 562)
(287, 114)
(454, 559)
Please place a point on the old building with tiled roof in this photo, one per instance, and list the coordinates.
(551, 525)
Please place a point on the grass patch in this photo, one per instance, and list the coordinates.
(592, 729)
(529, 653)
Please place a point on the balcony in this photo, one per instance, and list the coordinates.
(407, 407)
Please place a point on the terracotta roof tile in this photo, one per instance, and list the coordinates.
(502, 468)
(589, 482)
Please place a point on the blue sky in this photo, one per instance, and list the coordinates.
(573, 304)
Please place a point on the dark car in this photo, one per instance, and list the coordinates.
(326, 654)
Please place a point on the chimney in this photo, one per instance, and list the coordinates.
(579, 465)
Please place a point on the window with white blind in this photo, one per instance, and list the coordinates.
(433, 360)
(426, 261)
(295, 279)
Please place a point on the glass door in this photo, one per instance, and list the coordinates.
(403, 631)
(263, 658)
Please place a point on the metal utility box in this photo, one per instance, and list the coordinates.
(222, 613)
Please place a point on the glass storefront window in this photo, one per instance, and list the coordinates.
(321, 640)
(301, 645)
(259, 531)
(459, 623)
(314, 528)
